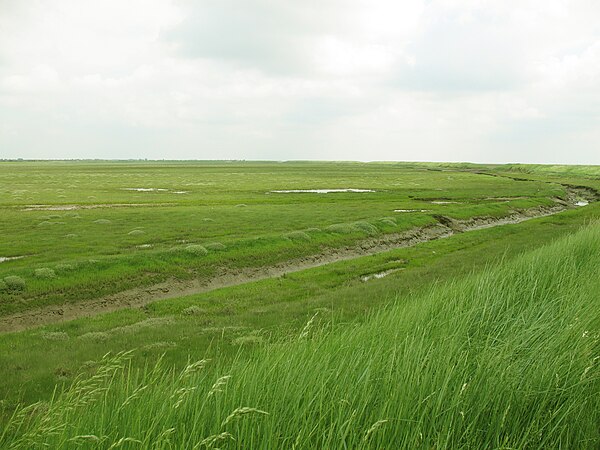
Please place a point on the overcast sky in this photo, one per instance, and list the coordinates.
(427, 80)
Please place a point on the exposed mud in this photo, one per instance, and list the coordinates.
(139, 297)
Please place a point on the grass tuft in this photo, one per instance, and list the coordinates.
(196, 250)
(215, 246)
(44, 272)
(297, 236)
(15, 283)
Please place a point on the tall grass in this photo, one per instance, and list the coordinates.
(507, 358)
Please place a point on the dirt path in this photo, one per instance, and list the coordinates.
(138, 297)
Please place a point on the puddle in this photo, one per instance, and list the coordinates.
(9, 258)
(145, 189)
(410, 210)
(507, 199)
(376, 276)
(443, 203)
(94, 206)
(320, 191)
(582, 203)
(180, 192)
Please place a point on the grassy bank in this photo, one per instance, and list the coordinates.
(508, 358)
(226, 321)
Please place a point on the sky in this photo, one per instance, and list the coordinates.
(413, 80)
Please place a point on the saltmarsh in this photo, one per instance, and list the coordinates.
(72, 225)
(507, 358)
(86, 215)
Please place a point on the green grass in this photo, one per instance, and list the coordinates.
(135, 242)
(507, 358)
(215, 324)
(148, 237)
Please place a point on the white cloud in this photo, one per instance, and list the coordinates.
(440, 79)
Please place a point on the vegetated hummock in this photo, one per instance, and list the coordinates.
(507, 358)
(319, 301)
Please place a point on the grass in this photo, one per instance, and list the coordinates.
(87, 253)
(129, 234)
(208, 324)
(507, 358)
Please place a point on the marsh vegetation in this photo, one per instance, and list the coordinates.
(274, 306)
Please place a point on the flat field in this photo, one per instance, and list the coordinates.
(232, 261)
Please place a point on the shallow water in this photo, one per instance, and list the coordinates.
(443, 203)
(320, 191)
(379, 275)
(410, 210)
(582, 203)
(9, 258)
(145, 189)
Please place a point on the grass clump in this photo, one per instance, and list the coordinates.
(15, 283)
(193, 311)
(366, 227)
(44, 272)
(507, 358)
(54, 336)
(341, 228)
(361, 226)
(297, 236)
(251, 339)
(63, 267)
(196, 250)
(215, 246)
(390, 221)
(95, 336)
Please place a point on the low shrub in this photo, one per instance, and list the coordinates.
(64, 267)
(193, 311)
(216, 246)
(196, 249)
(341, 228)
(54, 336)
(15, 283)
(298, 236)
(44, 272)
(365, 227)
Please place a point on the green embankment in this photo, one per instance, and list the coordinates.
(506, 358)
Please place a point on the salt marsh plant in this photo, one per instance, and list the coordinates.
(44, 272)
(366, 227)
(361, 226)
(196, 250)
(215, 246)
(297, 236)
(15, 283)
(507, 358)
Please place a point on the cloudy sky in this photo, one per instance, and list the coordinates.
(437, 80)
